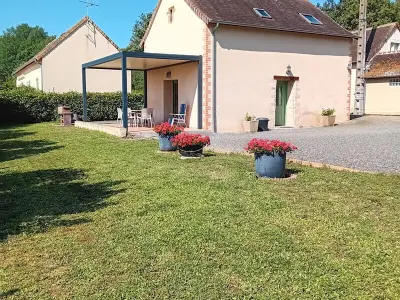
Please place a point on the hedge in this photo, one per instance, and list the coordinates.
(27, 105)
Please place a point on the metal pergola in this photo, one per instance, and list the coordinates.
(141, 61)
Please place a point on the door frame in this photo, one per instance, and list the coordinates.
(285, 95)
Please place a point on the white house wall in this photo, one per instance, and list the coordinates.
(31, 76)
(248, 60)
(394, 38)
(62, 68)
(183, 36)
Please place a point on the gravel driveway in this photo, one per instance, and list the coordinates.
(370, 143)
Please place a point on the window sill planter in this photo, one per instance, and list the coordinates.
(271, 165)
(191, 151)
(165, 143)
(328, 121)
(250, 126)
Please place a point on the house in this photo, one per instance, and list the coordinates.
(285, 60)
(382, 77)
(58, 66)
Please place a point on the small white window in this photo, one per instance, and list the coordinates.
(311, 19)
(262, 13)
(394, 82)
(28, 83)
(37, 83)
(394, 47)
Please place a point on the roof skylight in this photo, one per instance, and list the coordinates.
(262, 13)
(311, 19)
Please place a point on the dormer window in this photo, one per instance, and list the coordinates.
(394, 47)
(171, 11)
(262, 13)
(311, 19)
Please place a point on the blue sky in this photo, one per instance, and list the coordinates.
(114, 17)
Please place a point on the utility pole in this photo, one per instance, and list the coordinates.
(359, 104)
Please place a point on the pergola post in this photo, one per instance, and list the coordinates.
(84, 94)
(145, 89)
(124, 93)
(200, 94)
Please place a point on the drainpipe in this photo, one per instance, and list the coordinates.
(214, 79)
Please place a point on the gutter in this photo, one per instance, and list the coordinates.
(214, 78)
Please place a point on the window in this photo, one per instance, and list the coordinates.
(311, 19)
(262, 13)
(394, 47)
(171, 14)
(394, 82)
(37, 83)
(28, 83)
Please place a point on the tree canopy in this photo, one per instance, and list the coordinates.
(138, 32)
(18, 45)
(346, 12)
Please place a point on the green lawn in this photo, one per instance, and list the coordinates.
(88, 216)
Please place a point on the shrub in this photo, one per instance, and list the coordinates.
(328, 112)
(259, 146)
(167, 130)
(184, 140)
(27, 105)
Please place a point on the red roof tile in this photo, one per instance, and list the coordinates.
(384, 65)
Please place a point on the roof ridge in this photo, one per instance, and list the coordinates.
(59, 40)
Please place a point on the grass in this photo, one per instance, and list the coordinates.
(88, 216)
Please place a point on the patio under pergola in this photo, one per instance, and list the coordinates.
(141, 61)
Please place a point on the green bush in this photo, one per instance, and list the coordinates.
(27, 105)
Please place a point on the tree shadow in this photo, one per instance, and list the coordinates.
(33, 202)
(8, 293)
(15, 149)
(9, 133)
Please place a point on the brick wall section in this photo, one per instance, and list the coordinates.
(207, 78)
(349, 82)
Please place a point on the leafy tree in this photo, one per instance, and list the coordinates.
(138, 32)
(345, 12)
(19, 44)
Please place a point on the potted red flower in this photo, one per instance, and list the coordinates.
(166, 132)
(270, 157)
(190, 145)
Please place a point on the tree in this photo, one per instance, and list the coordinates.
(138, 32)
(18, 45)
(345, 12)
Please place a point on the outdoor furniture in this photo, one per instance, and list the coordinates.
(179, 119)
(146, 116)
(119, 117)
(133, 116)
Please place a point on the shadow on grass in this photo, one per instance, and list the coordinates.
(33, 202)
(15, 149)
(8, 293)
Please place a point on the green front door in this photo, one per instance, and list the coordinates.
(281, 102)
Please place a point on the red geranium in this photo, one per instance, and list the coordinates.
(166, 129)
(259, 146)
(187, 139)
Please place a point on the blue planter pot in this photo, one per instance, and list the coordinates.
(165, 143)
(270, 165)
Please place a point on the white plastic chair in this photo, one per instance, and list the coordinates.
(179, 119)
(119, 118)
(146, 116)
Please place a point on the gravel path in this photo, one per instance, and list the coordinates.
(369, 143)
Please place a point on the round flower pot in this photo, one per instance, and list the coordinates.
(192, 151)
(270, 165)
(165, 143)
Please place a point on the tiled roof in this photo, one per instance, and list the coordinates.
(285, 15)
(376, 38)
(384, 65)
(56, 42)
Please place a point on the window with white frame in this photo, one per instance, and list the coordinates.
(262, 13)
(394, 47)
(37, 83)
(394, 82)
(170, 13)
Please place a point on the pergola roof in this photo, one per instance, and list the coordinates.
(140, 61)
